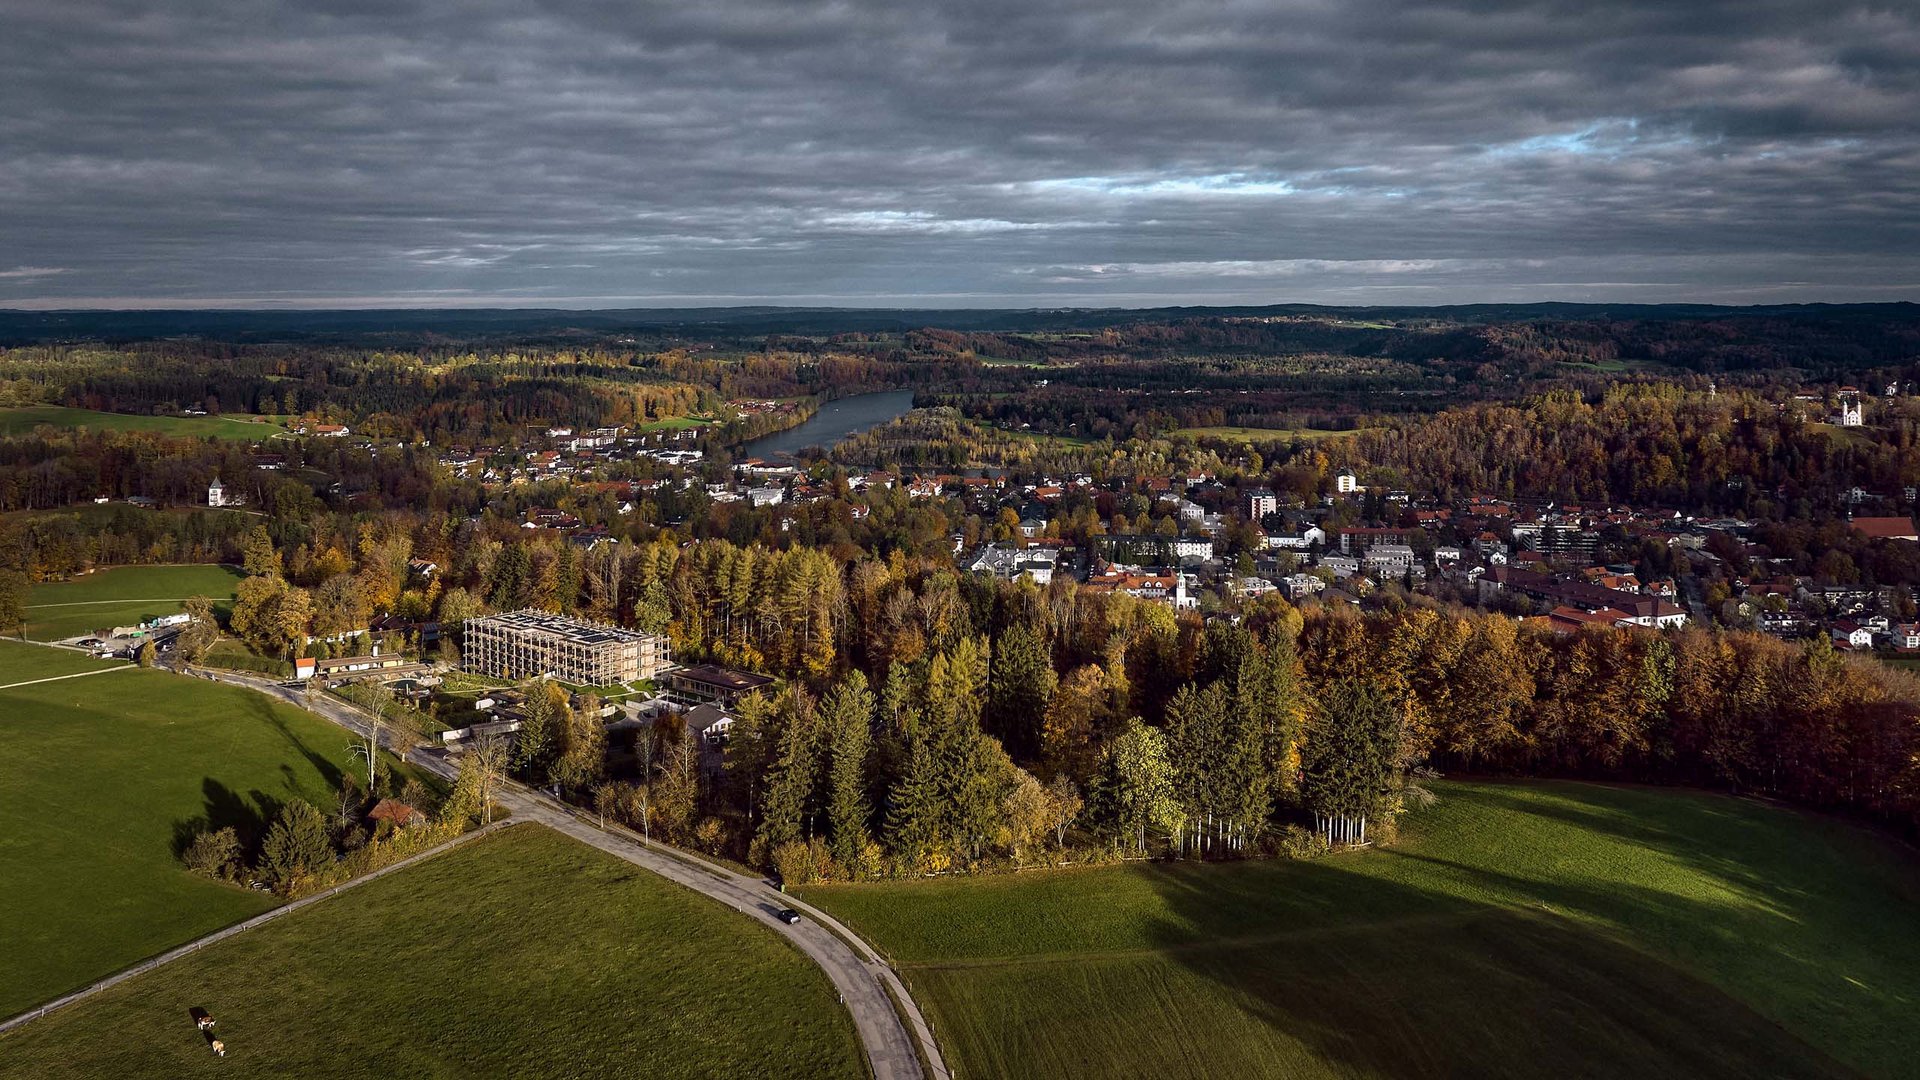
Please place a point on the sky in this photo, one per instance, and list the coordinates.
(986, 153)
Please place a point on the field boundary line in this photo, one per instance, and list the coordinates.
(134, 600)
(75, 675)
(224, 933)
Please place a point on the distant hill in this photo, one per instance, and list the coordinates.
(363, 326)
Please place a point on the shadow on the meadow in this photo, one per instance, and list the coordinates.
(1378, 978)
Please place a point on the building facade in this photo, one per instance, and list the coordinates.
(524, 644)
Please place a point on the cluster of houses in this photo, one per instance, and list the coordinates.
(1519, 555)
(1198, 535)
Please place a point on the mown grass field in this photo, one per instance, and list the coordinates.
(102, 777)
(18, 420)
(673, 423)
(20, 663)
(520, 955)
(1549, 929)
(122, 596)
(1263, 435)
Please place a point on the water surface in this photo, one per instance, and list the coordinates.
(836, 420)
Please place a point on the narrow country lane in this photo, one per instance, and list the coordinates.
(862, 979)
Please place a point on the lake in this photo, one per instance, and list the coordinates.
(836, 420)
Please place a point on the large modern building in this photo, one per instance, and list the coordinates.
(523, 644)
(712, 683)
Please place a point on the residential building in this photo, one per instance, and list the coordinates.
(712, 683)
(1636, 609)
(1356, 541)
(1301, 540)
(1010, 563)
(1299, 586)
(1389, 560)
(1851, 635)
(1261, 502)
(1168, 587)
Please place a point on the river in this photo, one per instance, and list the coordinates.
(837, 419)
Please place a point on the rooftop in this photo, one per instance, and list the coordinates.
(547, 623)
(723, 678)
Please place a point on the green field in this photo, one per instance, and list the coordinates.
(122, 596)
(1549, 929)
(673, 423)
(19, 663)
(19, 420)
(522, 955)
(102, 777)
(1263, 435)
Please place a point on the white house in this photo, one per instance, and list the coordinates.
(766, 496)
(1346, 483)
(216, 493)
(1300, 541)
(1193, 547)
(1012, 563)
(1296, 586)
(1852, 636)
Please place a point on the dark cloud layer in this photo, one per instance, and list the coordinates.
(994, 152)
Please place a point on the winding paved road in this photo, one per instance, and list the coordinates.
(861, 977)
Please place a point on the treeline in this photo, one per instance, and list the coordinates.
(1648, 444)
(1219, 741)
(433, 395)
(1736, 711)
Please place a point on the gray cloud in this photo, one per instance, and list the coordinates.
(995, 152)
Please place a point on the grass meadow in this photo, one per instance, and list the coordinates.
(104, 777)
(1540, 929)
(520, 955)
(21, 662)
(19, 420)
(1263, 435)
(123, 596)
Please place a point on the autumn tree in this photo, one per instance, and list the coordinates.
(1135, 789)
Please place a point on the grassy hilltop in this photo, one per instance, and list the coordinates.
(1519, 930)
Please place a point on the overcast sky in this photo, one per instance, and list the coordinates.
(977, 153)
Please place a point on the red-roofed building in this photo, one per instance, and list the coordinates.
(1886, 528)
